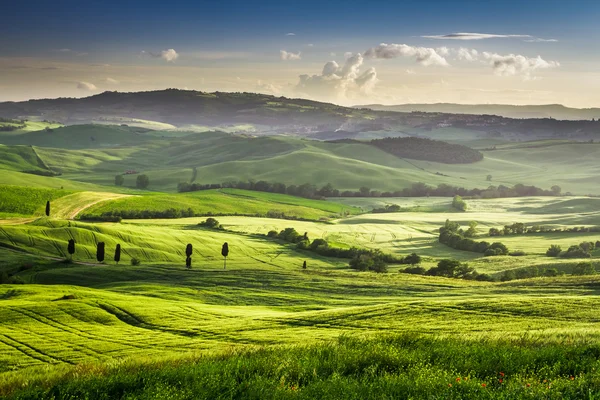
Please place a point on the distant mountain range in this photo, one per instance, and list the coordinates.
(262, 114)
(556, 111)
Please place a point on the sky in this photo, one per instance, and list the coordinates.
(345, 52)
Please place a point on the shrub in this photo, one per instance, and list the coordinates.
(412, 259)
(551, 272)
(459, 203)
(272, 234)
(416, 270)
(584, 268)
(518, 253)
(554, 251)
(368, 262)
(210, 223)
(135, 261)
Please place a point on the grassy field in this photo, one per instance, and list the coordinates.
(67, 326)
(264, 327)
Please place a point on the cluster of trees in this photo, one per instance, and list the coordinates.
(450, 269)
(453, 236)
(16, 124)
(388, 208)
(118, 215)
(519, 228)
(581, 250)
(360, 259)
(459, 204)
(428, 149)
(583, 268)
(418, 189)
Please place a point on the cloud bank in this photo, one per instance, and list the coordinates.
(339, 81)
(516, 64)
(423, 55)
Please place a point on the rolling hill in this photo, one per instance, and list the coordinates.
(217, 157)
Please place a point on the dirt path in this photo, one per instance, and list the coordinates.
(73, 213)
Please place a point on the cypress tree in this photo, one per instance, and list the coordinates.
(48, 208)
(225, 253)
(71, 247)
(100, 252)
(118, 253)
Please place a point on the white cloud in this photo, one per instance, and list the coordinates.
(516, 64)
(339, 81)
(268, 88)
(424, 55)
(410, 71)
(467, 54)
(481, 36)
(443, 51)
(310, 45)
(289, 56)
(332, 54)
(86, 86)
(290, 34)
(169, 55)
(111, 81)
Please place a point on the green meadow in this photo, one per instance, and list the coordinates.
(260, 326)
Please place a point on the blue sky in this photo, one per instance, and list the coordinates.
(49, 48)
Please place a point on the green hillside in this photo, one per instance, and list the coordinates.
(227, 202)
(220, 157)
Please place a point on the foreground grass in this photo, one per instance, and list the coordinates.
(400, 367)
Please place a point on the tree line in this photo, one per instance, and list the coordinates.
(119, 215)
(581, 250)
(418, 189)
(519, 228)
(453, 236)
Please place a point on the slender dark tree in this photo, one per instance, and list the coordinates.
(188, 263)
(304, 265)
(118, 253)
(100, 252)
(189, 250)
(48, 208)
(225, 253)
(71, 247)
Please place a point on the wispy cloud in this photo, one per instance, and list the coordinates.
(423, 55)
(481, 36)
(87, 86)
(289, 56)
(69, 51)
(290, 34)
(111, 81)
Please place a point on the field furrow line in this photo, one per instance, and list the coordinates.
(38, 351)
